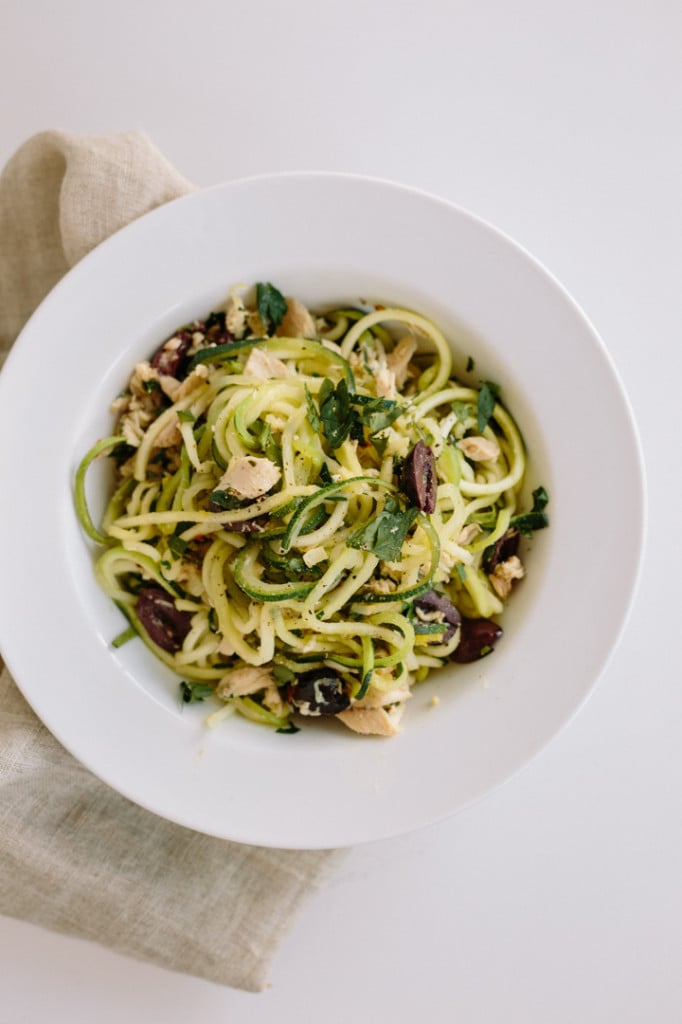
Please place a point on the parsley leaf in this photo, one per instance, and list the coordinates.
(537, 518)
(192, 693)
(336, 413)
(224, 500)
(290, 729)
(325, 475)
(487, 397)
(470, 364)
(271, 305)
(378, 414)
(380, 442)
(185, 416)
(177, 545)
(263, 433)
(385, 535)
(344, 414)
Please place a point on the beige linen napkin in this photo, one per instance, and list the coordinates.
(75, 857)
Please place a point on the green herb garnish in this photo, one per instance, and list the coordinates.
(470, 364)
(378, 413)
(537, 518)
(193, 693)
(345, 414)
(385, 535)
(224, 500)
(263, 434)
(336, 413)
(185, 416)
(177, 545)
(271, 304)
(290, 729)
(487, 397)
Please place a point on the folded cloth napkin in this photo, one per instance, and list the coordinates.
(75, 857)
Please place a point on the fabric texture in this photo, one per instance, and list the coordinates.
(75, 856)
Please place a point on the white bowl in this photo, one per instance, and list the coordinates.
(324, 238)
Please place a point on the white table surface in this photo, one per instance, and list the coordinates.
(558, 898)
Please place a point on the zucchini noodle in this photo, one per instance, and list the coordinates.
(310, 513)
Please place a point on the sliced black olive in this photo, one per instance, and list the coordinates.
(172, 359)
(254, 525)
(432, 602)
(419, 481)
(247, 526)
(504, 548)
(478, 638)
(319, 692)
(165, 624)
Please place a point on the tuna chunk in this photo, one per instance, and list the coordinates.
(373, 721)
(240, 682)
(248, 476)
(264, 366)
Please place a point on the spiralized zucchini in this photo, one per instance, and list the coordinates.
(310, 514)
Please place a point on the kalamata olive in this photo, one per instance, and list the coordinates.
(218, 504)
(506, 547)
(418, 479)
(246, 526)
(319, 693)
(435, 607)
(166, 626)
(171, 359)
(478, 638)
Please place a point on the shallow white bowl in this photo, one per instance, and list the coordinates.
(326, 239)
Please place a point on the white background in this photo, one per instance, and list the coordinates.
(558, 898)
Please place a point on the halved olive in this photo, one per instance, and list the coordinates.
(319, 692)
(171, 359)
(419, 481)
(506, 547)
(478, 638)
(435, 607)
(165, 624)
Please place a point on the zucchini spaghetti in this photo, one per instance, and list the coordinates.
(311, 512)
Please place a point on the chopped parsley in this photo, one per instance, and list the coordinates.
(487, 397)
(336, 413)
(385, 535)
(224, 500)
(271, 304)
(377, 413)
(177, 545)
(193, 693)
(537, 518)
(345, 414)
